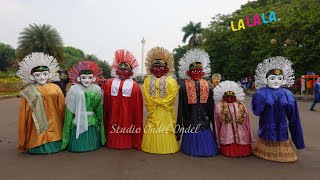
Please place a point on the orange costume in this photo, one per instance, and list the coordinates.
(53, 101)
(42, 105)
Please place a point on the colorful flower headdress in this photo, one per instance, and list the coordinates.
(84, 67)
(159, 55)
(38, 59)
(123, 59)
(194, 56)
(274, 63)
(226, 86)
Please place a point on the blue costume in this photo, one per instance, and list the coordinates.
(277, 110)
(316, 89)
(275, 106)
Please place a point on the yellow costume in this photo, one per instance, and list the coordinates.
(54, 105)
(159, 136)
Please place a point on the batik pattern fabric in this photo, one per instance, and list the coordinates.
(192, 94)
(162, 86)
(33, 97)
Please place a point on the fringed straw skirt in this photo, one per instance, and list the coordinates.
(279, 151)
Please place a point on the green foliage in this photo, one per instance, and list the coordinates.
(106, 68)
(71, 56)
(104, 65)
(40, 38)
(177, 55)
(7, 57)
(193, 31)
(216, 44)
(10, 83)
(6, 74)
(295, 35)
(91, 57)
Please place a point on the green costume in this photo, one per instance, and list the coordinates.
(93, 136)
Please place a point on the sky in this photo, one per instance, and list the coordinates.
(101, 27)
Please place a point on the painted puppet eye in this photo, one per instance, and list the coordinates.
(271, 78)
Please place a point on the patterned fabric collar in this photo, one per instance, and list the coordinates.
(162, 86)
(192, 92)
(226, 116)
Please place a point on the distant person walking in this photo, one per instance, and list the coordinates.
(316, 89)
(297, 86)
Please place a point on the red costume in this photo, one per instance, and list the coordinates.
(123, 105)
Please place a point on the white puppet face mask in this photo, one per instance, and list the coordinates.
(275, 81)
(86, 79)
(40, 77)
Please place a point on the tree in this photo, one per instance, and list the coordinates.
(104, 65)
(177, 55)
(106, 68)
(295, 35)
(40, 38)
(7, 56)
(217, 44)
(72, 56)
(91, 57)
(194, 32)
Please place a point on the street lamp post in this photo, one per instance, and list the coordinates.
(143, 41)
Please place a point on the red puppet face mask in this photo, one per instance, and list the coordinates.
(195, 73)
(124, 73)
(229, 97)
(159, 71)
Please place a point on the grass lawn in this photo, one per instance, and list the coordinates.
(9, 93)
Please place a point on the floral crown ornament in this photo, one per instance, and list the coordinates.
(278, 65)
(123, 59)
(36, 61)
(159, 56)
(194, 58)
(195, 65)
(277, 71)
(228, 88)
(229, 93)
(84, 67)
